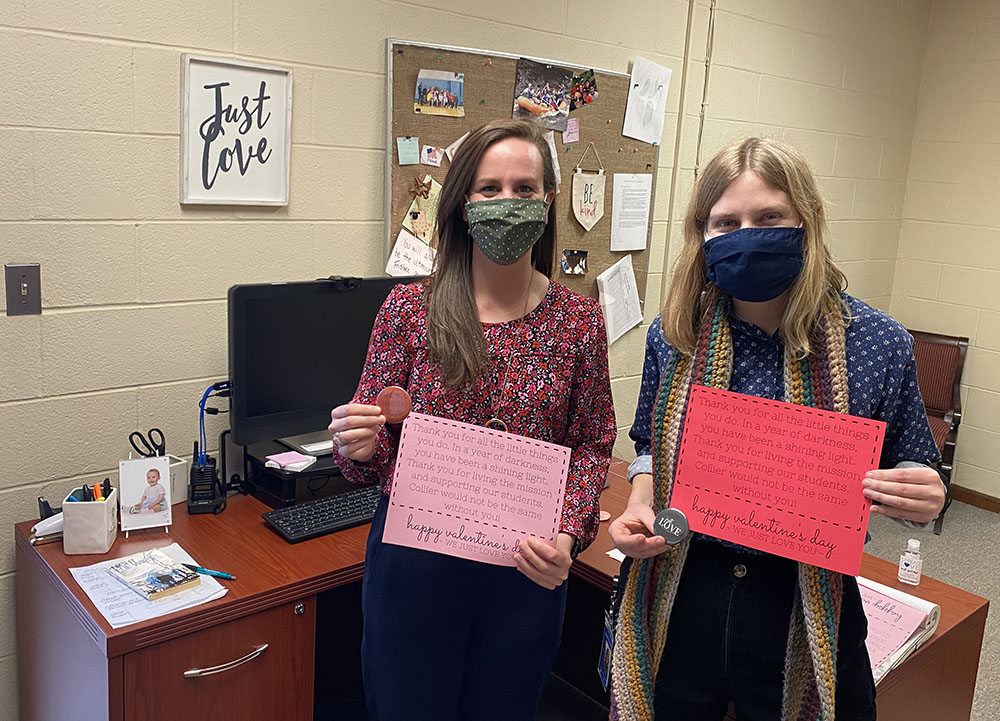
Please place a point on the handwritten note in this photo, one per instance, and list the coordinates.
(410, 256)
(572, 132)
(778, 477)
(408, 150)
(472, 492)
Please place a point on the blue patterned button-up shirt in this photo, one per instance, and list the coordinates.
(881, 379)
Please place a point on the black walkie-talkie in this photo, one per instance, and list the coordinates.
(204, 488)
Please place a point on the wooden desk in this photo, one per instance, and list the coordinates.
(937, 682)
(74, 666)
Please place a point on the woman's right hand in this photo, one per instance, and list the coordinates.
(632, 532)
(355, 427)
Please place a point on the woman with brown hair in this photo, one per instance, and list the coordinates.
(488, 339)
(756, 306)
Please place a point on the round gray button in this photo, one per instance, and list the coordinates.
(739, 570)
(672, 525)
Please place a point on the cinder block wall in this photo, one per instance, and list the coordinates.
(948, 269)
(133, 322)
(133, 285)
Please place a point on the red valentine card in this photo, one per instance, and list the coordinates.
(777, 477)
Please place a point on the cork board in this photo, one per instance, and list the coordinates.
(489, 94)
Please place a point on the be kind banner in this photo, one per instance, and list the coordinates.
(473, 492)
(778, 477)
(236, 132)
(588, 197)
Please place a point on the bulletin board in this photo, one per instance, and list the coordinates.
(489, 87)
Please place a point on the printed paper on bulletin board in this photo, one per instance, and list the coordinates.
(488, 90)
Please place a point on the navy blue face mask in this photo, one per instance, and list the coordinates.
(755, 264)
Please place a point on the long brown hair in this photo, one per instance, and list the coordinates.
(782, 167)
(454, 332)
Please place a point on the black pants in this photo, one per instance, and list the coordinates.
(728, 636)
(446, 639)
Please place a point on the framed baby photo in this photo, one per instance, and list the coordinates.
(144, 492)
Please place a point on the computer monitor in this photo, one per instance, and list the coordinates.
(296, 350)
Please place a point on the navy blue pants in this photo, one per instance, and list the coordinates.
(446, 639)
(728, 636)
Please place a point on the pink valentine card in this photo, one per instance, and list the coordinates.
(890, 623)
(473, 492)
(778, 477)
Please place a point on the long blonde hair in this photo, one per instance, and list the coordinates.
(454, 333)
(784, 168)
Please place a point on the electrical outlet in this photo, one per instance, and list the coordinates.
(24, 288)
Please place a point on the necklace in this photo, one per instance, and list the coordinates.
(497, 423)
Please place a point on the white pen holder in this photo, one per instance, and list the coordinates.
(178, 479)
(90, 526)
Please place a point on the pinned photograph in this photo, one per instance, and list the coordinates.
(431, 155)
(574, 262)
(422, 213)
(144, 492)
(584, 90)
(439, 92)
(542, 94)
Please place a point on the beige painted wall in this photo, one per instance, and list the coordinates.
(948, 268)
(133, 323)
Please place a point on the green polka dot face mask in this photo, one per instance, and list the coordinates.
(506, 228)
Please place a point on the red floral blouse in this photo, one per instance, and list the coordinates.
(548, 380)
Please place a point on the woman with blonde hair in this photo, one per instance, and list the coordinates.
(757, 306)
(491, 340)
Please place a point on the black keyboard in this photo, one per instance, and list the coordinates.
(325, 515)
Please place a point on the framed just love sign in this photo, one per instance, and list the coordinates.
(236, 132)
(778, 477)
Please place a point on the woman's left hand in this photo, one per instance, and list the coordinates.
(913, 494)
(546, 565)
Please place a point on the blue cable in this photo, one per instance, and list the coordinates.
(202, 438)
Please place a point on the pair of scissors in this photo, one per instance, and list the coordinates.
(146, 445)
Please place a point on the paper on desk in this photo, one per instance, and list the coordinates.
(898, 623)
(121, 606)
(615, 554)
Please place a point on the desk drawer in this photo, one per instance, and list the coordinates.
(273, 684)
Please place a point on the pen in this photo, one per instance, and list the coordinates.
(208, 572)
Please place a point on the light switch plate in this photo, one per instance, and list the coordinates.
(24, 288)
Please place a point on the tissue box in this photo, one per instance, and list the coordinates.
(90, 526)
(178, 479)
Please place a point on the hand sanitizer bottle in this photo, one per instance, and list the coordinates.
(909, 563)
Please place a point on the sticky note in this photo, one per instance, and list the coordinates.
(572, 132)
(408, 149)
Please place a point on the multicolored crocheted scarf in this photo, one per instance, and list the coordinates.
(818, 380)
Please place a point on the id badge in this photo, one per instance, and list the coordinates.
(607, 645)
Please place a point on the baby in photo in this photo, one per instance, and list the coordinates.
(153, 496)
(144, 493)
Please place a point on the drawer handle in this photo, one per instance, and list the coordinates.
(196, 672)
